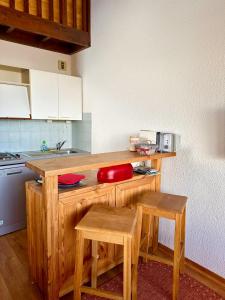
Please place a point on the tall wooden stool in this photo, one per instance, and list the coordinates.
(171, 207)
(111, 225)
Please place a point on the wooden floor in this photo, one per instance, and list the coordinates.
(14, 276)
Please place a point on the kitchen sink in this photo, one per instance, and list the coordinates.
(59, 152)
(51, 152)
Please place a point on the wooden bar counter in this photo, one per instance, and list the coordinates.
(52, 214)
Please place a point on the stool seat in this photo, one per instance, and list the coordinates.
(162, 202)
(105, 219)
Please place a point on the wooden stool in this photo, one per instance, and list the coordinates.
(111, 225)
(171, 207)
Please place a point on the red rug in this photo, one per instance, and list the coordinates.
(155, 283)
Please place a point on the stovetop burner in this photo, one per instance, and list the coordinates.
(8, 156)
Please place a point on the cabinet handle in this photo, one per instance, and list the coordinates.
(14, 173)
(50, 117)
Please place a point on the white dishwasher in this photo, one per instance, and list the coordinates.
(13, 197)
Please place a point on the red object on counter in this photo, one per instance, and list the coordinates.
(115, 173)
(70, 178)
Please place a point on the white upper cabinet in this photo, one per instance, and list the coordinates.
(44, 95)
(55, 96)
(14, 101)
(14, 92)
(70, 97)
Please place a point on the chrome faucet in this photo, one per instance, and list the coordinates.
(60, 144)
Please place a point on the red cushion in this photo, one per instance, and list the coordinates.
(115, 173)
(70, 178)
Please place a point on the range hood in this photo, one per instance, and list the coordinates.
(14, 101)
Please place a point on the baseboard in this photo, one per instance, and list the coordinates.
(203, 275)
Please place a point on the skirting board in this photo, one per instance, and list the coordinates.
(203, 275)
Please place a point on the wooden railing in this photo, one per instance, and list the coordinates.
(72, 17)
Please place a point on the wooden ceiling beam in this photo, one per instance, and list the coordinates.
(50, 10)
(63, 12)
(74, 6)
(26, 6)
(39, 8)
(84, 15)
(12, 4)
(33, 24)
(37, 41)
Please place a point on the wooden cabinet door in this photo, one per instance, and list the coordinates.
(70, 97)
(126, 195)
(44, 95)
(71, 210)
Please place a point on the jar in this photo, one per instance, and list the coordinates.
(134, 140)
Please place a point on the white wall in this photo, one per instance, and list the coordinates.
(160, 65)
(17, 55)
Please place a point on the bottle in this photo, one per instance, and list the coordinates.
(44, 146)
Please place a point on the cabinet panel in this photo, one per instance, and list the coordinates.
(126, 193)
(70, 97)
(44, 95)
(71, 210)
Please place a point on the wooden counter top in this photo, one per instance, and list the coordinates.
(71, 164)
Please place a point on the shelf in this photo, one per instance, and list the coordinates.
(91, 183)
(14, 83)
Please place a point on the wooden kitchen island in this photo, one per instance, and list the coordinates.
(52, 214)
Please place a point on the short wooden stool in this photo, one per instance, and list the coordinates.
(111, 225)
(171, 207)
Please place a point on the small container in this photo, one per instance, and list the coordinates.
(146, 148)
(44, 146)
(134, 140)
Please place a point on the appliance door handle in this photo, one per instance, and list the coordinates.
(14, 173)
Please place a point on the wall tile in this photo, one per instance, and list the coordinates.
(82, 133)
(27, 135)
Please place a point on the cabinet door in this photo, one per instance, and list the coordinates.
(44, 95)
(71, 210)
(70, 97)
(126, 193)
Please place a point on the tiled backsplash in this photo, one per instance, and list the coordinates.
(81, 133)
(27, 135)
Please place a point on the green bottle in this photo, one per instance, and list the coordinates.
(44, 146)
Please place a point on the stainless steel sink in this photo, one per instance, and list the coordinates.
(59, 152)
(51, 152)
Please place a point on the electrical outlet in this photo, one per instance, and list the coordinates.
(1, 222)
(61, 65)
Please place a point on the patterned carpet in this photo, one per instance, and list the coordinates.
(155, 283)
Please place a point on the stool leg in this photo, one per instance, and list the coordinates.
(155, 234)
(148, 233)
(94, 264)
(78, 264)
(183, 222)
(135, 253)
(127, 269)
(176, 260)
